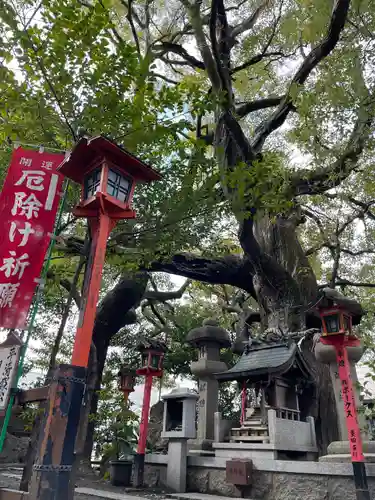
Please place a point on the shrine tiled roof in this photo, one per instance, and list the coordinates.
(262, 360)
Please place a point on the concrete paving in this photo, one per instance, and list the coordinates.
(106, 494)
(11, 479)
(197, 496)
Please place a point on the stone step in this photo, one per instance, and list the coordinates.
(252, 428)
(249, 434)
(256, 439)
(197, 496)
(251, 423)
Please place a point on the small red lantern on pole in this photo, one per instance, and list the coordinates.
(336, 321)
(126, 381)
(108, 175)
(337, 331)
(152, 357)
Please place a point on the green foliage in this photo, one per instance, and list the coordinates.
(65, 66)
(115, 432)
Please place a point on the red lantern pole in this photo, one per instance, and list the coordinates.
(145, 414)
(243, 403)
(102, 203)
(341, 342)
(100, 230)
(139, 459)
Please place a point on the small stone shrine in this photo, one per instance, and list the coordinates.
(275, 382)
(209, 339)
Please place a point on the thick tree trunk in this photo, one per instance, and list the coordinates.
(284, 283)
(114, 312)
(93, 399)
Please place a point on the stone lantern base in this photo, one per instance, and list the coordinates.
(339, 451)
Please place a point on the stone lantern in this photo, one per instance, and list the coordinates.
(208, 339)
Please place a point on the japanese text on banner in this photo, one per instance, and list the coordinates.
(348, 400)
(28, 206)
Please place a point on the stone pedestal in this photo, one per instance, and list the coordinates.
(177, 465)
(209, 339)
(339, 451)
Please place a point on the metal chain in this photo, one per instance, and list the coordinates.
(53, 468)
(62, 379)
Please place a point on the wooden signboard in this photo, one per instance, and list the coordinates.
(9, 357)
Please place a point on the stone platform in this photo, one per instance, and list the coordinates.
(272, 479)
(339, 451)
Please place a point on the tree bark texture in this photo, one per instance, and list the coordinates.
(114, 312)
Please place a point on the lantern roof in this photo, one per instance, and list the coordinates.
(181, 393)
(259, 362)
(12, 340)
(88, 151)
(209, 333)
(151, 345)
(331, 298)
(126, 370)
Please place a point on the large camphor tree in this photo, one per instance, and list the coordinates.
(260, 116)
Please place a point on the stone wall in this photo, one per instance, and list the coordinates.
(279, 480)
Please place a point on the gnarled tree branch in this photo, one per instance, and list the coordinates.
(317, 54)
(232, 270)
(249, 23)
(166, 47)
(164, 296)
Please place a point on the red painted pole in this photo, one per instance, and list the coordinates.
(101, 228)
(354, 433)
(145, 413)
(243, 402)
(139, 459)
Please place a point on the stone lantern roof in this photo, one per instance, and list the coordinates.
(210, 332)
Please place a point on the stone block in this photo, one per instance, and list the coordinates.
(266, 454)
(152, 476)
(342, 447)
(217, 484)
(298, 487)
(261, 487)
(177, 463)
(340, 488)
(197, 479)
(345, 458)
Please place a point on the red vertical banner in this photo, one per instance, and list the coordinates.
(354, 433)
(28, 205)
